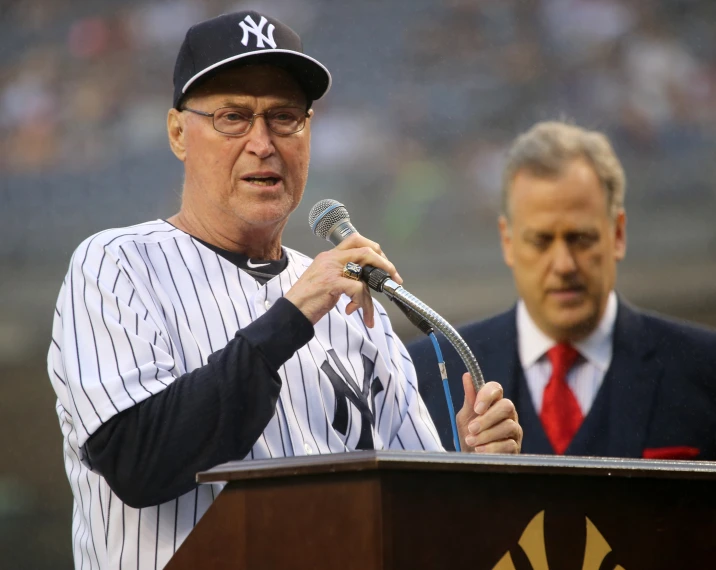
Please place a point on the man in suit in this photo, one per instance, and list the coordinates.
(589, 373)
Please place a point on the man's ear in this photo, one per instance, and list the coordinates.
(506, 240)
(620, 239)
(175, 130)
(308, 123)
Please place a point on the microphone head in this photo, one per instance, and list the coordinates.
(325, 215)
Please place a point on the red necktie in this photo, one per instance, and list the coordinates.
(561, 415)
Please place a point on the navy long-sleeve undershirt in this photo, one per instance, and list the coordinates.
(151, 452)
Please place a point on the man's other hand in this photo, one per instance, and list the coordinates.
(487, 422)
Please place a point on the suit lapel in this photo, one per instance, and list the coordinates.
(501, 363)
(633, 377)
(498, 351)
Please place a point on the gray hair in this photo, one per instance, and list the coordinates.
(547, 148)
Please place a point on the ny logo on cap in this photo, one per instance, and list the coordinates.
(251, 27)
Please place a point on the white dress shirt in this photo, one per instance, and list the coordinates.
(586, 376)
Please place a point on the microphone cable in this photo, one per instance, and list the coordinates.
(421, 323)
(446, 388)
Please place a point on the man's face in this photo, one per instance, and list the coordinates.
(563, 248)
(253, 181)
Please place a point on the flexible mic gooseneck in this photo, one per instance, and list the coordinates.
(329, 220)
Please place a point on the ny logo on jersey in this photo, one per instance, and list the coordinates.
(346, 390)
(251, 27)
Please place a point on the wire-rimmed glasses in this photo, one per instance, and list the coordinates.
(237, 121)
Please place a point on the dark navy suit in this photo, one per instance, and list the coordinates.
(658, 398)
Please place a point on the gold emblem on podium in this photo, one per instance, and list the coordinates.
(533, 545)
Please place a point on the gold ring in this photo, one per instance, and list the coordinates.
(352, 271)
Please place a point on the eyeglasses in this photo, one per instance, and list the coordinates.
(237, 121)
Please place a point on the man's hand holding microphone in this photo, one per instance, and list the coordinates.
(487, 422)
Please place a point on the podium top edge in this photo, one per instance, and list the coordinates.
(358, 461)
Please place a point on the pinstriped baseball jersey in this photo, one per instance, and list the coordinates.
(143, 305)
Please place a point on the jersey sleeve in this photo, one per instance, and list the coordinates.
(414, 429)
(142, 421)
(114, 352)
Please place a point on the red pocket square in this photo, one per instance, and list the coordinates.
(676, 452)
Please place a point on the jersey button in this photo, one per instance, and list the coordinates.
(308, 449)
(267, 304)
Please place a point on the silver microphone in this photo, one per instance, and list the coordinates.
(329, 220)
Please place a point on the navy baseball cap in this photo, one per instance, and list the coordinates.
(245, 38)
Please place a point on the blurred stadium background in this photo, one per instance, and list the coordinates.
(427, 94)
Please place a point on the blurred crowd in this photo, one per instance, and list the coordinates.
(644, 71)
(87, 84)
(91, 79)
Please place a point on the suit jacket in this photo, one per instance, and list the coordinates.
(658, 398)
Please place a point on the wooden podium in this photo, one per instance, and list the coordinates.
(399, 510)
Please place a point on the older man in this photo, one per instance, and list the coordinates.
(589, 374)
(185, 343)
